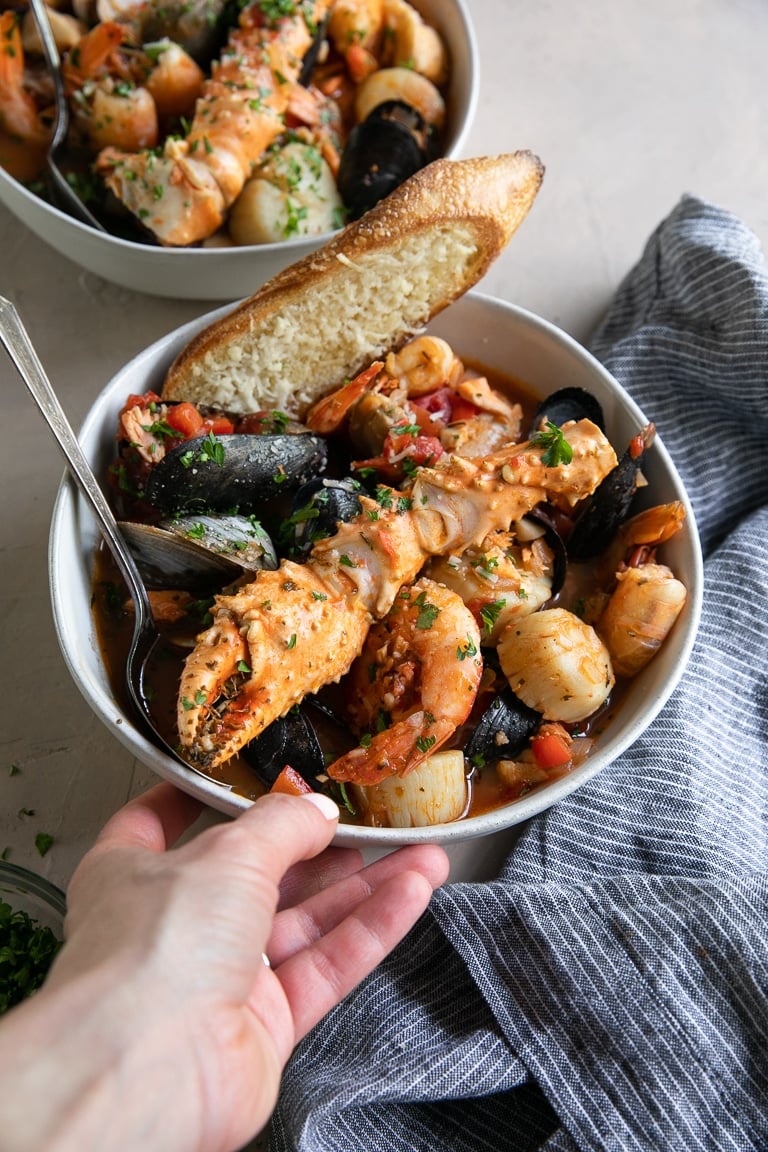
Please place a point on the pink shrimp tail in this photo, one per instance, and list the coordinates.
(394, 752)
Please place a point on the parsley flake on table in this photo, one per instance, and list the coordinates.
(43, 842)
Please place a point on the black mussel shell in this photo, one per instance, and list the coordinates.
(392, 143)
(318, 508)
(556, 543)
(198, 553)
(312, 54)
(503, 730)
(221, 473)
(609, 505)
(289, 740)
(568, 404)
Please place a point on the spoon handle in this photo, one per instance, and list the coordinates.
(64, 195)
(17, 343)
(53, 60)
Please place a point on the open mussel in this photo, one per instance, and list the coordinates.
(289, 740)
(313, 53)
(221, 473)
(567, 404)
(503, 730)
(609, 505)
(537, 524)
(198, 553)
(392, 143)
(318, 508)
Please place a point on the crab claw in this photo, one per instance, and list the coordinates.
(274, 641)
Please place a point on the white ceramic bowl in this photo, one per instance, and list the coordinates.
(498, 335)
(232, 273)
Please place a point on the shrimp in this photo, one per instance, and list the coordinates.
(640, 599)
(424, 364)
(418, 674)
(499, 581)
(302, 626)
(639, 615)
(182, 195)
(121, 96)
(20, 121)
(423, 390)
(414, 43)
(329, 413)
(174, 80)
(355, 29)
(638, 538)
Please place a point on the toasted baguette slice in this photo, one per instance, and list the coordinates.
(369, 289)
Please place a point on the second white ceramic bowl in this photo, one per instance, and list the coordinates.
(232, 273)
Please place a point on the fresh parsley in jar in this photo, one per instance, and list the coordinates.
(31, 931)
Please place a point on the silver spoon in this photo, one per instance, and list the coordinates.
(17, 343)
(63, 192)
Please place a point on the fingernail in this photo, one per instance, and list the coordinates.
(327, 806)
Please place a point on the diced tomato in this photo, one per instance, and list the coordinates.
(636, 446)
(140, 401)
(462, 409)
(185, 418)
(439, 404)
(219, 425)
(447, 406)
(420, 449)
(550, 750)
(391, 465)
(291, 783)
(423, 418)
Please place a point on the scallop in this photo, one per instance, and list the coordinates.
(433, 793)
(557, 665)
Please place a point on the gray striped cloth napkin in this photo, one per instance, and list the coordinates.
(610, 989)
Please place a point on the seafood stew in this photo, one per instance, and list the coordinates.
(542, 356)
(454, 603)
(271, 122)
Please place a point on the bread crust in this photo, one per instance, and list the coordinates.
(384, 277)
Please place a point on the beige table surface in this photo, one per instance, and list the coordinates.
(629, 104)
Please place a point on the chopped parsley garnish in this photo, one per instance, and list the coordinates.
(212, 449)
(557, 449)
(468, 649)
(428, 612)
(489, 614)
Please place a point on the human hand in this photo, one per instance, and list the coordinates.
(160, 1024)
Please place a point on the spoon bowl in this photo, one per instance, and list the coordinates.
(145, 639)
